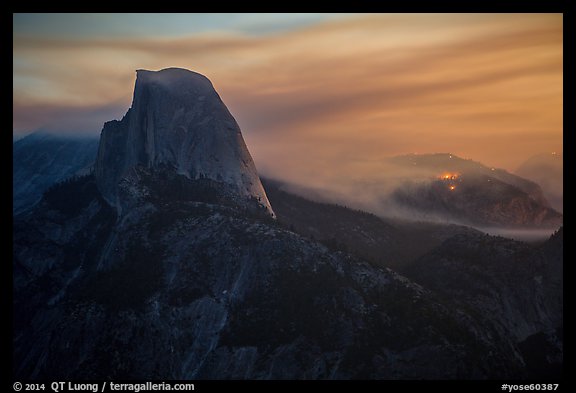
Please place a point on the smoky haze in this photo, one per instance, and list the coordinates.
(323, 104)
(548, 171)
(359, 88)
(385, 183)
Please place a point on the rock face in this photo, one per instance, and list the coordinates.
(158, 266)
(181, 289)
(177, 122)
(194, 290)
(41, 160)
(516, 286)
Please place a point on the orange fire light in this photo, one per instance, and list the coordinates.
(452, 188)
(449, 176)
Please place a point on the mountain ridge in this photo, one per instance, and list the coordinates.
(167, 263)
(470, 193)
(194, 290)
(42, 159)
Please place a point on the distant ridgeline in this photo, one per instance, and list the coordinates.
(42, 159)
(168, 262)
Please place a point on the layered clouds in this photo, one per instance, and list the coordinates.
(321, 99)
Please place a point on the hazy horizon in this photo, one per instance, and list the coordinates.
(388, 207)
(316, 95)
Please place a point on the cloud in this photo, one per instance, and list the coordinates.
(315, 100)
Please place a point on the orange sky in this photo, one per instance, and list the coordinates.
(320, 98)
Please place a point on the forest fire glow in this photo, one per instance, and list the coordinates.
(449, 176)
